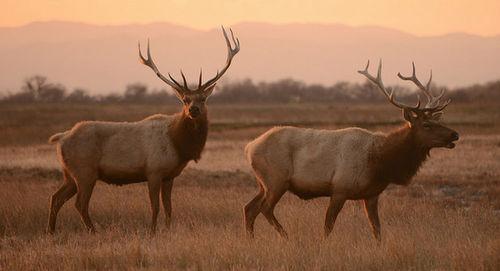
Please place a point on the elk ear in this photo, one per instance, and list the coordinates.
(409, 115)
(179, 95)
(209, 90)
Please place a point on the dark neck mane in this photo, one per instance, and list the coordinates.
(188, 136)
(400, 156)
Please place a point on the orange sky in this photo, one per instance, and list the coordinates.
(421, 17)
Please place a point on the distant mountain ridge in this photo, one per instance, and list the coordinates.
(105, 59)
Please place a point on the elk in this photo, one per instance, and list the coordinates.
(154, 150)
(345, 164)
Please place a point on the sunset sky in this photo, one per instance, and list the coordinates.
(421, 17)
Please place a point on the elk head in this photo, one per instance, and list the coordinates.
(193, 100)
(424, 121)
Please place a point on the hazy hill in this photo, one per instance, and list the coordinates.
(104, 58)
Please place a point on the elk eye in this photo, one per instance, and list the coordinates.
(426, 126)
(203, 100)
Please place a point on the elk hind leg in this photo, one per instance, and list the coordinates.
(63, 194)
(273, 175)
(269, 203)
(252, 210)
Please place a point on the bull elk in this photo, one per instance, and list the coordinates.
(345, 164)
(154, 150)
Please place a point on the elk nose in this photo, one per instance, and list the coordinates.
(194, 110)
(455, 136)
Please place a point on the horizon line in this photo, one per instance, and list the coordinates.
(249, 22)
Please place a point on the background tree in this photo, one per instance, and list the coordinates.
(38, 88)
(135, 92)
(79, 95)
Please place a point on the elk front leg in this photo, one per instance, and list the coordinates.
(166, 192)
(336, 204)
(371, 209)
(154, 184)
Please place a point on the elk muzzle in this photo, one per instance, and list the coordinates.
(194, 111)
(453, 137)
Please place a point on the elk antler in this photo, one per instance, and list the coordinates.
(150, 63)
(181, 89)
(434, 103)
(230, 54)
(387, 92)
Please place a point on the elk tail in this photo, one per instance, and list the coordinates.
(55, 138)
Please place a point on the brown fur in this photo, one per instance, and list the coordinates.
(189, 136)
(399, 158)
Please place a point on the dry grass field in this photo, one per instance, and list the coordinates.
(448, 218)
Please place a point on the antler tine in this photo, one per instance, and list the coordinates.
(365, 71)
(378, 80)
(226, 38)
(150, 63)
(415, 80)
(428, 85)
(200, 79)
(433, 102)
(380, 84)
(185, 82)
(235, 41)
(438, 98)
(231, 52)
(175, 82)
(379, 73)
(444, 105)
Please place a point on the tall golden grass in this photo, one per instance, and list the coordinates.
(447, 219)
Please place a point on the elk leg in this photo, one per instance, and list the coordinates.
(154, 185)
(166, 192)
(251, 211)
(85, 188)
(371, 210)
(63, 194)
(336, 204)
(270, 201)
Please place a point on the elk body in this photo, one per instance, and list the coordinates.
(154, 150)
(346, 164)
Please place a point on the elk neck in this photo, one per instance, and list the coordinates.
(399, 157)
(188, 135)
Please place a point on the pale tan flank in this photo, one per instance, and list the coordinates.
(346, 164)
(154, 150)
